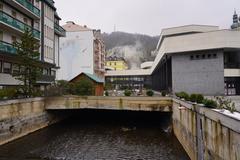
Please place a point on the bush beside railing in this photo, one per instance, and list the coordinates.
(217, 102)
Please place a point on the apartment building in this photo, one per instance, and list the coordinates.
(82, 51)
(41, 18)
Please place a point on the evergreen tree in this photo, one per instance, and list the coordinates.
(27, 51)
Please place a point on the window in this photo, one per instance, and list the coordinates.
(14, 39)
(25, 20)
(197, 56)
(15, 69)
(203, 56)
(14, 14)
(1, 6)
(1, 36)
(6, 67)
(53, 73)
(215, 55)
(191, 57)
(209, 55)
(45, 71)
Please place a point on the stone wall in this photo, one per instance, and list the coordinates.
(21, 117)
(205, 133)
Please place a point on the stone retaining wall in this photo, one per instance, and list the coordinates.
(21, 117)
(206, 134)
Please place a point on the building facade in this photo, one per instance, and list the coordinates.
(131, 79)
(198, 59)
(195, 59)
(114, 62)
(38, 16)
(82, 50)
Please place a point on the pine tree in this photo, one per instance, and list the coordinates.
(27, 52)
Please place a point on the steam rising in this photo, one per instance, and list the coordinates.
(133, 54)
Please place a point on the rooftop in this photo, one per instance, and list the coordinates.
(72, 27)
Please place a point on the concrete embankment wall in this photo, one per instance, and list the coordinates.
(21, 117)
(206, 134)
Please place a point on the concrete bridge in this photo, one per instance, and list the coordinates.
(163, 104)
(203, 132)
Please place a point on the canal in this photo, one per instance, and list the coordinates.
(100, 135)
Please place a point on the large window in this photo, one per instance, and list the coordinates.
(15, 69)
(6, 67)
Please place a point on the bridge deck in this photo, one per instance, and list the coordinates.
(163, 104)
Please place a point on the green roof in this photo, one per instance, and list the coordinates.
(94, 77)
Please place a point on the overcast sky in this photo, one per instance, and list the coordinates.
(146, 16)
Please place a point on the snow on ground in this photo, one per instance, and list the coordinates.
(235, 115)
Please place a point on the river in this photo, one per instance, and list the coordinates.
(100, 135)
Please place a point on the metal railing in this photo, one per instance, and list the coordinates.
(7, 48)
(46, 78)
(30, 7)
(9, 20)
(59, 29)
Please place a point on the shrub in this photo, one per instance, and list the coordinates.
(83, 88)
(199, 98)
(150, 93)
(164, 93)
(183, 95)
(210, 103)
(106, 93)
(193, 98)
(63, 86)
(225, 104)
(127, 92)
(196, 98)
(8, 93)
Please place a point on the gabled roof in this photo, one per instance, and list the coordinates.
(91, 76)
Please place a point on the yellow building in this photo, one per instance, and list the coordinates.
(116, 63)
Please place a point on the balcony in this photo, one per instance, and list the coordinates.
(45, 79)
(30, 7)
(26, 7)
(7, 48)
(17, 25)
(59, 30)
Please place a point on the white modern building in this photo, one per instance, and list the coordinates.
(82, 50)
(196, 59)
(41, 18)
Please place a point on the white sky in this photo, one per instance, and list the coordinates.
(146, 16)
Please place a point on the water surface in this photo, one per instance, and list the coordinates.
(94, 135)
